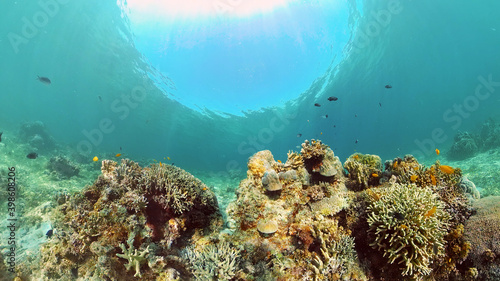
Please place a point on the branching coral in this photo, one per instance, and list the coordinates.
(135, 259)
(407, 223)
(213, 262)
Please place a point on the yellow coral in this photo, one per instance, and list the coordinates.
(256, 167)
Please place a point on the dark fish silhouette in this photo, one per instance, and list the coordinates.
(388, 86)
(49, 233)
(44, 80)
(317, 104)
(325, 116)
(333, 98)
(356, 141)
(380, 104)
(32, 155)
(100, 99)
(398, 216)
(1, 136)
(299, 135)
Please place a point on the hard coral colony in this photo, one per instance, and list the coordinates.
(304, 219)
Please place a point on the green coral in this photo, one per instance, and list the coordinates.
(213, 262)
(408, 224)
(135, 258)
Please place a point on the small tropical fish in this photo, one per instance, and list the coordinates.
(433, 180)
(120, 148)
(446, 169)
(413, 178)
(430, 212)
(437, 151)
(279, 161)
(160, 163)
(380, 104)
(32, 155)
(95, 159)
(355, 115)
(375, 175)
(395, 164)
(324, 116)
(356, 141)
(333, 98)
(118, 155)
(317, 104)
(321, 133)
(388, 86)
(49, 233)
(44, 80)
(1, 136)
(403, 226)
(299, 135)
(168, 158)
(100, 99)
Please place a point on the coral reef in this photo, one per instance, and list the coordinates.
(407, 223)
(295, 230)
(465, 146)
(319, 158)
(62, 168)
(148, 209)
(401, 221)
(363, 169)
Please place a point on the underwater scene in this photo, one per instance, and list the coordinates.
(249, 140)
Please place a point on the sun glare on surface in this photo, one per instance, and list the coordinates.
(204, 8)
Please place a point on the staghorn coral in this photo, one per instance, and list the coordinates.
(407, 224)
(214, 261)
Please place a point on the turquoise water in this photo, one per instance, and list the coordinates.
(206, 92)
(212, 87)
